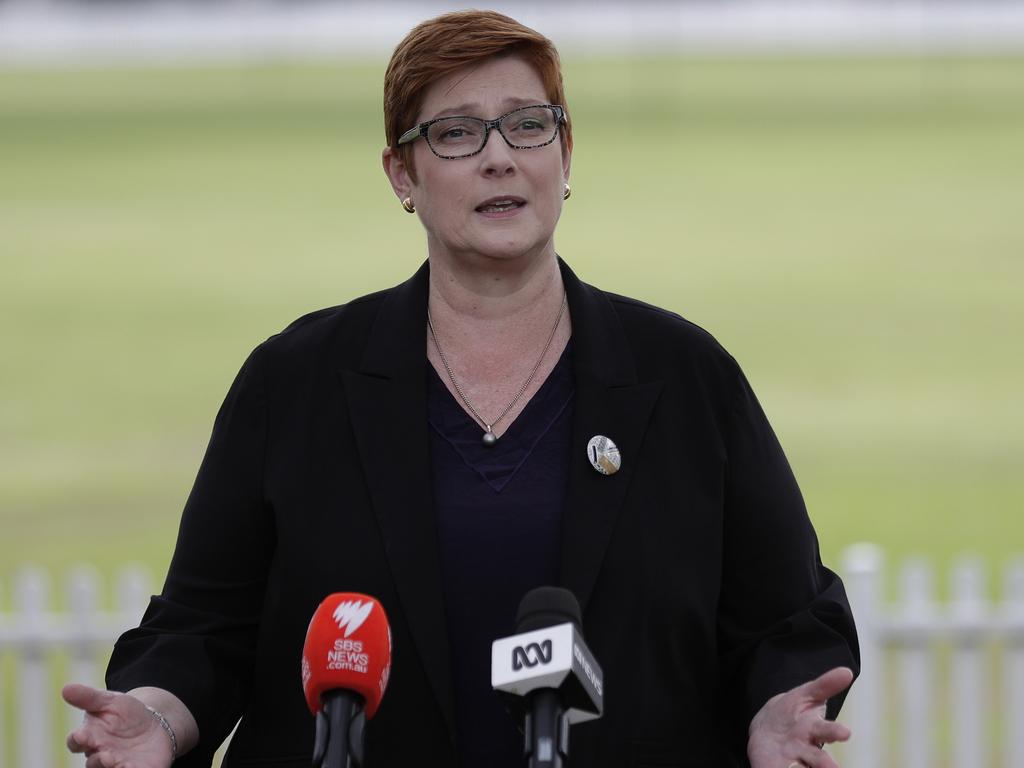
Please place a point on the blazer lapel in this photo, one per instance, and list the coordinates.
(388, 407)
(610, 402)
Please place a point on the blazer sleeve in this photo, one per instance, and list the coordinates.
(197, 638)
(783, 617)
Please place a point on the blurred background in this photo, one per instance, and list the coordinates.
(835, 190)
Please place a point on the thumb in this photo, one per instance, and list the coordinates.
(86, 697)
(823, 688)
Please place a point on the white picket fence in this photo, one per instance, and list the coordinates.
(916, 653)
(978, 646)
(34, 634)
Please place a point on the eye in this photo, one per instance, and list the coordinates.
(528, 122)
(456, 130)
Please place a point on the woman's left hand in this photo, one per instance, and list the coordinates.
(790, 729)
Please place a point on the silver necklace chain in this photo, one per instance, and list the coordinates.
(489, 438)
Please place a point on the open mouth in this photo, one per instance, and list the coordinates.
(501, 205)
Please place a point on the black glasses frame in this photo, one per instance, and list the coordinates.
(421, 130)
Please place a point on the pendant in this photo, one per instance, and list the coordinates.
(489, 437)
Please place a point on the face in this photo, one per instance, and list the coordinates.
(452, 196)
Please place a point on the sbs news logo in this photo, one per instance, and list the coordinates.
(351, 614)
(531, 655)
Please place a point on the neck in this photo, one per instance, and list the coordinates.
(495, 292)
(499, 333)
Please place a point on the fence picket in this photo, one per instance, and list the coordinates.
(83, 590)
(4, 741)
(967, 686)
(862, 567)
(133, 592)
(914, 664)
(32, 592)
(1013, 661)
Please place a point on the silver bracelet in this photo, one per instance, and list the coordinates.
(167, 727)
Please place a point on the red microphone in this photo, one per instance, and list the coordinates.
(346, 662)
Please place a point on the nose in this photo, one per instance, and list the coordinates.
(496, 158)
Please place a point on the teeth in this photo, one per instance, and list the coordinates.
(501, 205)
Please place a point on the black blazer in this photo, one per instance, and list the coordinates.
(696, 565)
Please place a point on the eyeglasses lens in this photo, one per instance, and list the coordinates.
(524, 128)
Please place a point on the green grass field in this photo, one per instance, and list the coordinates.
(851, 230)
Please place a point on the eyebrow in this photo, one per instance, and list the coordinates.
(466, 110)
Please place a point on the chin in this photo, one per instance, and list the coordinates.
(509, 251)
(509, 246)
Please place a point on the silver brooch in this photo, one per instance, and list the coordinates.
(604, 455)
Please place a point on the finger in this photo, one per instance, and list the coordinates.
(813, 757)
(79, 741)
(101, 760)
(828, 732)
(86, 697)
(826, 686)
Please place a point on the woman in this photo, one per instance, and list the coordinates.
(432, 445)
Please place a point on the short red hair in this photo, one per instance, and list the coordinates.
(440, 46)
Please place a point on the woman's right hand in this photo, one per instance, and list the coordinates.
(117, 731)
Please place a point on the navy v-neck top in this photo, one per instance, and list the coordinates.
(499, 519)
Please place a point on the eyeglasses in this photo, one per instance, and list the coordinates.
(453, 137)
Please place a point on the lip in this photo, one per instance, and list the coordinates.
(501, 214)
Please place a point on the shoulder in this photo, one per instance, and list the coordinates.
(694, 369)
(663, 341)
(644, 317)
(333, 334)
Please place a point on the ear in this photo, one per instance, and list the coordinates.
(566, 163)
(397, 173)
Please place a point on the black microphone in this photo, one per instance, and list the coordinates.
(547, 672)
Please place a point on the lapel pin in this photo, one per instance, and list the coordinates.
(604, 455)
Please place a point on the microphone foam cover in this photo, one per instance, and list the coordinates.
(548, 607)
(348, 646)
